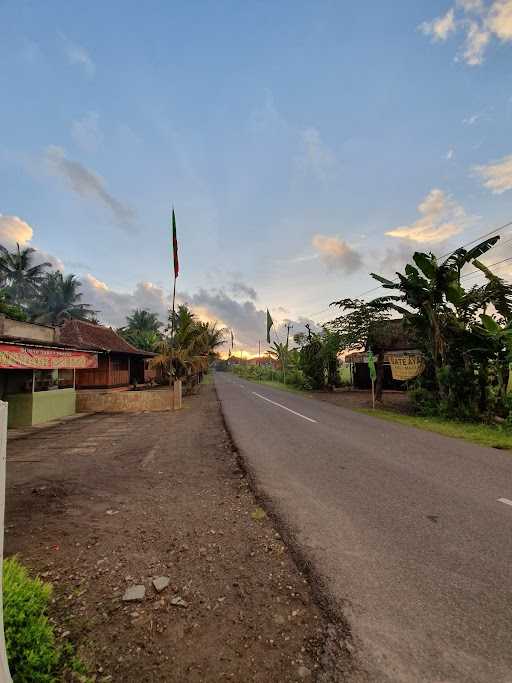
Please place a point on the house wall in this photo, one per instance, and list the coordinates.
(17, 328)
(43, 406)
(51, 405)
(19, 413)
(112, 371)
(123, 401)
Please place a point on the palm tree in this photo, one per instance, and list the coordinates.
(143, 320)
(18, 274)
(142, 330)
(213, 337)
(58, 300)
(190, 344)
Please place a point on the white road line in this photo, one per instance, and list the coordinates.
(505, 500)
(309, 419)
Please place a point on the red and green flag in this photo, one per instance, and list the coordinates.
(175, 246)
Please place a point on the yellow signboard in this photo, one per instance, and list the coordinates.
(406, 366)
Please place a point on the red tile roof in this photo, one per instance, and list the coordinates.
(87, 335)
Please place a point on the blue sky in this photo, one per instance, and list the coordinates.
(290, 136)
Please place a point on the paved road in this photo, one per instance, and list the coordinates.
(405, 526)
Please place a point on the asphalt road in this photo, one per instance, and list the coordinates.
(406, 527)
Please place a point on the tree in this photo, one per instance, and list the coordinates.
(142, 330)
(189, 344)
(444, 318)
(11, 310)
(353, 329)
(58, 299)
(143, 320)
(19, 275)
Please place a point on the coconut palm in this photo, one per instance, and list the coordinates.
(143, 320)
(58, 299)
(19, 275)
(189, 345)
(142, 330)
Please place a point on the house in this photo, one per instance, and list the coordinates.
(38, 372)
(389, 339)
(120, 365)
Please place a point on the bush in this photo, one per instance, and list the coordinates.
(33, 654)
(29, 637)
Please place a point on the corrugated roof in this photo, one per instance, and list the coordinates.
(90, 336)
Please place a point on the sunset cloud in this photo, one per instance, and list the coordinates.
(497, 176)
(337, 254)
(14, 230)
(441, 218)
(478, 22)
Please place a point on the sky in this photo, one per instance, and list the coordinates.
(303, 145)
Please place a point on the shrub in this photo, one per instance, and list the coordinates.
(32, 652)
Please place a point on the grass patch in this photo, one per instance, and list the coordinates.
(482, 434)
(32, 650)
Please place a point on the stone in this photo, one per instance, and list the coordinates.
(161, 582)
(303, 672)
(178, 602)
(134, 593)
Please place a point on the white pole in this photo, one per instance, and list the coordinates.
(373, 394)
(5, 676)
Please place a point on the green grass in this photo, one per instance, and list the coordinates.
(485, 435)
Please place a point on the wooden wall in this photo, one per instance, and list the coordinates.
(100, 377)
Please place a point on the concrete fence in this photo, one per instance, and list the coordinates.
(123, 401)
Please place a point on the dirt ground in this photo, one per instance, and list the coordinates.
(106, 502)
(397, 401)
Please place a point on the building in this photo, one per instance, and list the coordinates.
(388, 339)
(38, 372)
(120, 365)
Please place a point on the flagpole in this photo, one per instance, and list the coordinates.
(171, 367)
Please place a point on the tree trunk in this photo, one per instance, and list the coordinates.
(379, 381)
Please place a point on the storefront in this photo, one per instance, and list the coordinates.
(38, 380)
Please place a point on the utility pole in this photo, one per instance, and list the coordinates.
(259, 352)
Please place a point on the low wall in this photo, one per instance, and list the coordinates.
(123, 401)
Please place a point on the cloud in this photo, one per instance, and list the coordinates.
(499, 19)
(240, 289)
(479, 22)
(115, 306)
(315, 157)
(14, 230)
(497, 176)
(440, 28)
(337, 254)
(475, 43)
(87, 184)
(441, 218)
(78, 55)
(86, 133)
(471, 120)
(247, 322)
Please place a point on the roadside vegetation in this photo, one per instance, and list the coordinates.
(495, 436)
(463, 333)
(32, 649)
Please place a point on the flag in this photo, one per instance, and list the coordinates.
(270, 322)
(232, 339)
(175, 246)
(371, 366)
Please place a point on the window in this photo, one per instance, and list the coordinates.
(50, 380)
